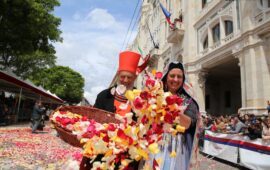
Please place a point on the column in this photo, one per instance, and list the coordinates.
(200, 89)
(222, 30)
(210, 36)
(240, 57)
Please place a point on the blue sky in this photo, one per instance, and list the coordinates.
(93, 33)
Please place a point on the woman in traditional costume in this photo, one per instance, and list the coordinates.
(183, 143)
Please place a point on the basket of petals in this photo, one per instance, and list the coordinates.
(72, 122)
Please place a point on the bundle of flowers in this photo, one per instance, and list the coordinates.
(117, 145)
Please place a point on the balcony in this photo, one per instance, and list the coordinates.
(216, 45)
(176, 34)
(205, 51)
(262, 17)
(228, 38)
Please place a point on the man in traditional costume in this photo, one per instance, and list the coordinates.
(113, 99)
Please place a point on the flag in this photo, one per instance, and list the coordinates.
(167, 15)
(140, 50)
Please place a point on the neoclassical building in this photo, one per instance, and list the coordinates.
(224, 45)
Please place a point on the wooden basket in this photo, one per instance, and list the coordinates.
(98, 115)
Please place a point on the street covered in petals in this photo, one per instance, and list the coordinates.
(20, 149)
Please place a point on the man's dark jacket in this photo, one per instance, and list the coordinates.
(105, 101)
(37, 112)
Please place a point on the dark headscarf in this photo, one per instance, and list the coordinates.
(169, 68)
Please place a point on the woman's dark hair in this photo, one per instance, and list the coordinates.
(170, 67)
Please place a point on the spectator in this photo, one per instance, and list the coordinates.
(214, 125)
(265, 130)
(254, 131)
(37, 116)
(221, 124)
(246, 119)
(237, 126)
(268, 107)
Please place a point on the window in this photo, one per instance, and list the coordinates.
(207, 102)
(227, 99)
(216, 33)
(228, 27)
(264, 4)
(154, 4)
(204, 2)
(205, 42)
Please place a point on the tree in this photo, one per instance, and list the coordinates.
(63, 81)
(29, 65)
(27, 30)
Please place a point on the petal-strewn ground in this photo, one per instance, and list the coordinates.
(20, 149)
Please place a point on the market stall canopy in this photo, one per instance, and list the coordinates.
(11, 83)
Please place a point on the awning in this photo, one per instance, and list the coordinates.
(11, 83)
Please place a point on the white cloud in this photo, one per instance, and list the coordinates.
(91, 46)
(100, 18)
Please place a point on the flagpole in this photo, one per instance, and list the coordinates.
(155, 45)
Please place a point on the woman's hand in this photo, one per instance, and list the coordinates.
(185, 121)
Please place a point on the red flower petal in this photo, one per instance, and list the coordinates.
(62, 112)
(179, 101)
(145, 95)
(84, 118)
(168, 118)
(111, 127)
(158, 75)
(171, 99)
(150, 83)
(138, 103)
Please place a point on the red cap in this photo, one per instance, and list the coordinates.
(128, 61)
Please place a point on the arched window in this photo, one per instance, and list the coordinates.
(205, 42)
(216, 33)
(228, 27)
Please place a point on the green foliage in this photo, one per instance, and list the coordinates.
(27, 30)
(63, 81)
(29, 65)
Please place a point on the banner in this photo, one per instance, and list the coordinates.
(253, 154)
(221, 145)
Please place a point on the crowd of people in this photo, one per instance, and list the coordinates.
(248, 124)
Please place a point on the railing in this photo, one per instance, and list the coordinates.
(176, 34)
(216, 45)
(262, 16)
(228, 37)
(205, 51)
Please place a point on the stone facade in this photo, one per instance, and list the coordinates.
(224, 45)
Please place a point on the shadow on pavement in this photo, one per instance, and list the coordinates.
(224, 161)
